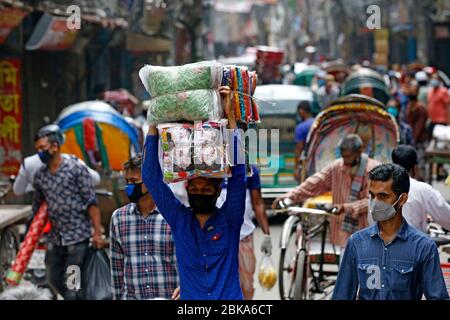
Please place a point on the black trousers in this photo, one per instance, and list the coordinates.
(64, 266)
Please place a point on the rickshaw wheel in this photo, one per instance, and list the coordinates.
(300, 288)
(287, 268)
(9, 246)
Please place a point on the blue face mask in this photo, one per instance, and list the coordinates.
(134, 191)
(45, 156)
(393, 111)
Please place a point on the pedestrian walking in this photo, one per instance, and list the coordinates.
(143, 262)
(390, 260)
(73, 211)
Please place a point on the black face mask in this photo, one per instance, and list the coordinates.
(45, 156)
(412, 97)
(201, 203)
(134, 191)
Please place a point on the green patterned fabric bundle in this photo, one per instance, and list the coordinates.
(183, 93)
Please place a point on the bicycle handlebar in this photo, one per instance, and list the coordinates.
(301, 210)
(102, 192)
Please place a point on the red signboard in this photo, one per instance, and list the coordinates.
(10, 116)
(9, 19)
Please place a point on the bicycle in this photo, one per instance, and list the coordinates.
(302, 276)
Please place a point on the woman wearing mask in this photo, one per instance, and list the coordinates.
(406, 133)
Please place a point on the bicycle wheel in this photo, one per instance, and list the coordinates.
(287, 268)
(301, 288)
(9, 246)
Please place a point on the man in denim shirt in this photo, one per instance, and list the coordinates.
(390, 260)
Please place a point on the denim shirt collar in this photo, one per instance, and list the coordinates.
(401, 234)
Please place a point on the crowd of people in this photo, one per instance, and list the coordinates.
(418, 100)
(194, 240)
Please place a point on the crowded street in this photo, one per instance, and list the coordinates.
(224, 150)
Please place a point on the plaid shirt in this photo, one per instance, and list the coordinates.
(69, 193)
(143, 262)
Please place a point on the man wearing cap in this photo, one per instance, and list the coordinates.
(422, 80)
(73, 211)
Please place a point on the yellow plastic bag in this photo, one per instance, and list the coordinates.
(267, 274)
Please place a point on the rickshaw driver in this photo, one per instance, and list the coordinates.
(347, 179)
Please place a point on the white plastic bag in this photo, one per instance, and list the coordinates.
(267, 274)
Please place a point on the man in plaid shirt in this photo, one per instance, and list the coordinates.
(143, 263)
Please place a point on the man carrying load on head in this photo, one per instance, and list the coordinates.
(206, 238)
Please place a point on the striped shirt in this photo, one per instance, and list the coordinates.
(337, 178)
(143, 263)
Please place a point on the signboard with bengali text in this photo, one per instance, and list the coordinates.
(10, 116)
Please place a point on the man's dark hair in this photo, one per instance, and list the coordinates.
(398, 174)
(305, 106)
(134, 163)
(405, 156)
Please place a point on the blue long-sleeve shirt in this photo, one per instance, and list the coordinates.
(405, 269)
(207, 258)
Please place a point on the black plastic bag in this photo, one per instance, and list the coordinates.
(97, 275)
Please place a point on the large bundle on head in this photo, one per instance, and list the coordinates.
(183, 93)
(190, 92)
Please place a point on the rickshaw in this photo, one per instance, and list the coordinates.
(308, 268)
(104, 139)
(305, 76)
(367, 82)
(278, 110)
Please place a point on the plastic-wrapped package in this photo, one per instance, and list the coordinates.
(188, 152)
(160, 81)
(176, 157)
(211, 149)
(185, 106)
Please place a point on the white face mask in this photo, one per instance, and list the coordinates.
(382, 211)
(434, 83)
